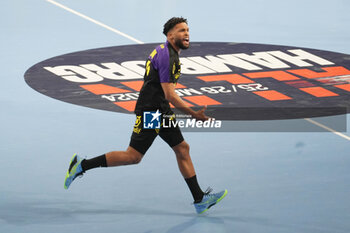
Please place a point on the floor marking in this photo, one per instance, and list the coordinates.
(327, 128)
(140, 42)
(95, 22)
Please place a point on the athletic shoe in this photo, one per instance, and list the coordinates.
(74, 170)
(209, 199)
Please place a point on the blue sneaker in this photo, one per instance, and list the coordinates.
(74, 170)
(209, 199)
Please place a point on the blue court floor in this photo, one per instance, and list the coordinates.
(277, 182)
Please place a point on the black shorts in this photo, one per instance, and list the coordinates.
(142, 139)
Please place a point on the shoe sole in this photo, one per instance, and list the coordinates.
(67, 175)
(217, 201)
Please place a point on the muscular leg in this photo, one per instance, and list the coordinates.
(184, 161)
(131, 155)
(114, 158)
(118, 158)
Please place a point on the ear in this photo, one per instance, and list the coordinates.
(170, 34)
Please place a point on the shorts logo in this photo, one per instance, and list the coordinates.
(151, 120)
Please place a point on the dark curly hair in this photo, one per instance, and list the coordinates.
(172, 22)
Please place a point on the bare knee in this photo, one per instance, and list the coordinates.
(135, 157)
(182, 150)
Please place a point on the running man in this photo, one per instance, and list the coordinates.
(158, 90)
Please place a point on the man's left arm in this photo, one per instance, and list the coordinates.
(172, 97)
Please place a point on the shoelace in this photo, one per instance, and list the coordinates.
(208, 191)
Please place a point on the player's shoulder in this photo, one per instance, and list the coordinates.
(160, 52)
(162, 48)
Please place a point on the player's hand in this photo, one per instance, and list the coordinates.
(200, 115)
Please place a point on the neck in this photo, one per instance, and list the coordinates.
(176, 48)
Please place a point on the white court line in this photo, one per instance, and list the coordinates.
(140, 42)
(327, 128)
(96, 22)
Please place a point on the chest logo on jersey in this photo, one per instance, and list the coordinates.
(236, 81)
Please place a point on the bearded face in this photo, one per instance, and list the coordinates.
(180, 36)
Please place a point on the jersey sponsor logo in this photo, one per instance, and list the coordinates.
(224, 76)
